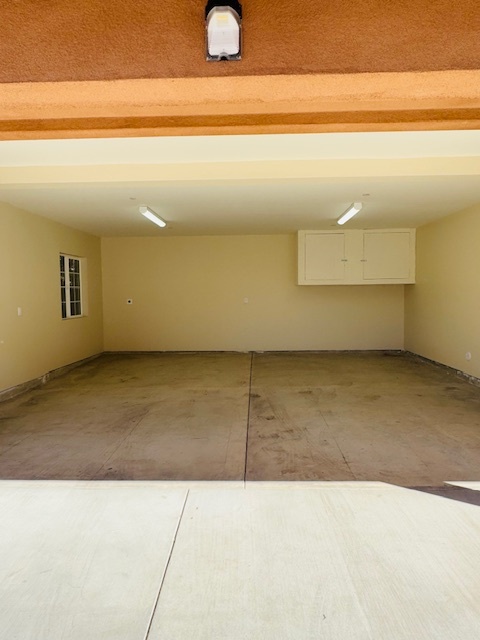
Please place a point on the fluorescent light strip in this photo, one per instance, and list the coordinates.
(352, 210)
(148, 213)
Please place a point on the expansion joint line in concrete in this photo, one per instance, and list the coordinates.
(248, 417)
(164, 575)
(338, 447)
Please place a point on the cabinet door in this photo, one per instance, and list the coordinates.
(324, 257)
(387, 255)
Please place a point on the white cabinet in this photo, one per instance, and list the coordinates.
(325, 257)
(377, 256)
(387, 255)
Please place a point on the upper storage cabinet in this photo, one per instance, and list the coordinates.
(378, 256)
(388, 255)
(325, 257)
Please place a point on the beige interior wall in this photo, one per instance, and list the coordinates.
(442, 312)
(188, 294)
(39, 340)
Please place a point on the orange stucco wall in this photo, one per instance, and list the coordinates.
(113, 39)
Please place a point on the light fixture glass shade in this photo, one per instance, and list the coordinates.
(223, 30)
(152, 216)
(352, 210)
(223, 33)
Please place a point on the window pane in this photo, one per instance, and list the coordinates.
(70, 286)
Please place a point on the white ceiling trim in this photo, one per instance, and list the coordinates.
(184, 149)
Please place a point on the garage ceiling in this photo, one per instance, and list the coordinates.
(243, 184)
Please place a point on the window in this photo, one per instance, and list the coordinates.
(70, 286)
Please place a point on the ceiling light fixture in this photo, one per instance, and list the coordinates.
(152, 216)
(352, 210)
(223, 30)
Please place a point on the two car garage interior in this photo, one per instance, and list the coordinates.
(251, 422)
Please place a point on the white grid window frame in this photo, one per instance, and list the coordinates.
(71, 290)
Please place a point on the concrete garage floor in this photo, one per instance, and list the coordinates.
(367, 416)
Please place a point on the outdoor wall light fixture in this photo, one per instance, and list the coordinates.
(223, 30)
(352, 210)
(152, 216)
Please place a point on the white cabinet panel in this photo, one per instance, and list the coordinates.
(377, 256)
(325, 256)
(386, 255)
